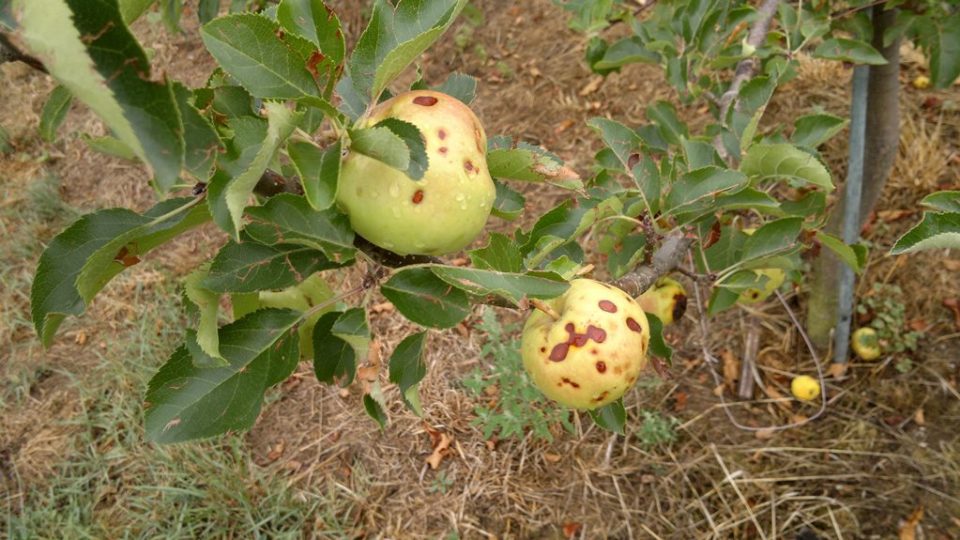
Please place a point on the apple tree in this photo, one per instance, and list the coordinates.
(314, 162)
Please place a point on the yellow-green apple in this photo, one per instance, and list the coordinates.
(589, 349)
(443, 211)
(866, 343)
(667, 299)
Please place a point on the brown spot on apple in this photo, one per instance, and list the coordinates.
(425, 101)
(418, 197)
(568, 381)
(601, 367)
(608, 306)
(603, 395)
(442, 149)
(634, 325)
(442, 134)
(468, 165)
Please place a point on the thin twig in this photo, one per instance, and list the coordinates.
(666, 258)
(11, 53)
(746, 68)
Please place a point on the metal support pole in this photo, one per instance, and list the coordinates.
(853, 190)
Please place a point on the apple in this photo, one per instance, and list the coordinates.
(589, 349)
(866, 343)
(667, 299)
(301, 297)
(443, 211)
(805, 388)
(775, 278)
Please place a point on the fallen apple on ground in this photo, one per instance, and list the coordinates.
(667, 299)
(443, 211)
(589, 350)
(805, 388)
(866, 343)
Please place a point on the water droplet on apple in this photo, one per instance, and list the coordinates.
(460, 197)
(394, 190)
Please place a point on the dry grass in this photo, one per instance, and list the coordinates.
(71, 414)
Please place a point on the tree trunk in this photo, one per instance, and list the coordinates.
(882, 142)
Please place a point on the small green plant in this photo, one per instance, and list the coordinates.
(885, 304)
(509, 404)
(657, 429)
(442, 483)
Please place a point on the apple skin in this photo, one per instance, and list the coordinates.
(594, 352)
(866, 343)
(446, 209)
(775, 278)
(667, 299)
(301, 297)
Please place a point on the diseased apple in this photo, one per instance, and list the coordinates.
(443, 211)
(593, 351)
(866, 343)
(775, 278)
(301, 297)
(667, 299)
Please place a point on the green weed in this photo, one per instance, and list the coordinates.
(519, 407)
(885, 305)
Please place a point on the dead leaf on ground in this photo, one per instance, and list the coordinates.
(765, 434)
(919, 418)
(779, 399)
(953, 305)
(382, 307)
(908, 529)
(895, 215)
(591, 86)
(571, 528)
(563, 126)
(952, 265)
(731, 368)
(277, 450)
(440, 442)
(837, 370)
(550, 457)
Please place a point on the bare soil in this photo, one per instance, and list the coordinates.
(887, 445)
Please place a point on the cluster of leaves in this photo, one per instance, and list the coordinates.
(509, 404)
(285, 72)
(884, 307)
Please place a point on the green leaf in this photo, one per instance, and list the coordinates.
(785, 161)
(426, 299)
(249, 267)
(403, 151)
(202, 141)
(236, 192)
(460, 86)
(813, 130)
(248, 47)
(936, 231)
(207, 10)
(703, 183)
(110, 146)
(628, 50)
(130, 10)
(87, 255)
(185, 402)
(849, 50)
(945, 55)
(395, 37)
(658, 347)
(351, 326)
(622, 140)
(89, 50)
(846, 253)
(54, 112)
(509, 203)
(625, 254)
(721, 300)
(510, 286)
(500, 253)
(288, 219)
(208, 303)
(316, 22)
(772, 238)
(334, 360)
(528, 163)
(611, 417)
(407, 369)
(559, 226)
(943, 201)
(374, 409)
(665, 117)
(319, 171)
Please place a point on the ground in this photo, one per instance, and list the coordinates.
(74, 463)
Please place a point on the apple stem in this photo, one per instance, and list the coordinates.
(544, 307)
